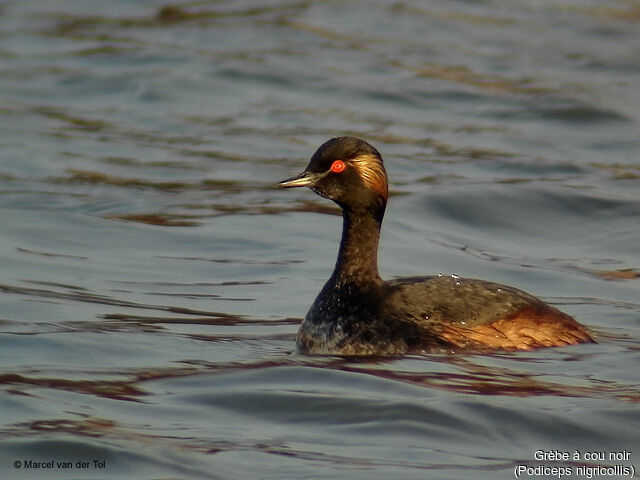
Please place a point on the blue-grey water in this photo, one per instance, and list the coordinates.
(153, 279)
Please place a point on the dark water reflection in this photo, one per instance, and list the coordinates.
(153, 278)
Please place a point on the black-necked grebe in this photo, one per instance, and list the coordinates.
(357, 313)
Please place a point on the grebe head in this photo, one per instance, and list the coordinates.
(348, 171)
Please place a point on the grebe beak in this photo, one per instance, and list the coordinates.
(305, 179)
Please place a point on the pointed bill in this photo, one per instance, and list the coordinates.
(305, 179)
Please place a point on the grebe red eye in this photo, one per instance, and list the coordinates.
(338, 166)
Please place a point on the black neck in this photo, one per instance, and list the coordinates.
(358, 255)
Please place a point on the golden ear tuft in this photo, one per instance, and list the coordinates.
(372, 172)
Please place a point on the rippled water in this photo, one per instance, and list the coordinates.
(153, 278)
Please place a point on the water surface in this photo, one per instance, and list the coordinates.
(153, 278)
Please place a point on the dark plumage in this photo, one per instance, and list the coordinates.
(357, 313)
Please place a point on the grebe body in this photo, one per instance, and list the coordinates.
(357, 313)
